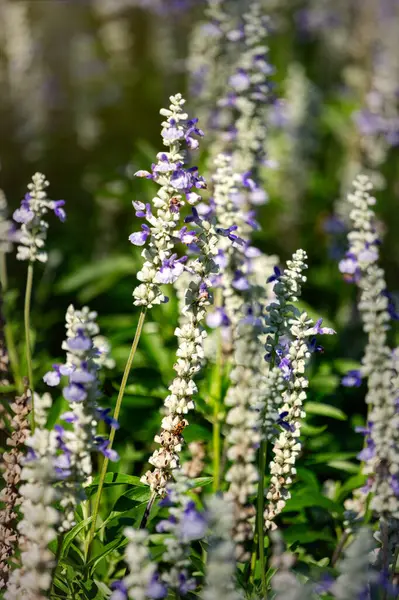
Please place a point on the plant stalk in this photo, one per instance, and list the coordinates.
(216, 395)
(8, 333)
(147, 511)
(259, 514)
(118, 404)
(28, 297)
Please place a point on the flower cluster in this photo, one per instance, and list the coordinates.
(12, 464)
(37, 528)
(220, 572)
(251, 87)
(243, 434)
(355, 573)
(142, 581)
(378, 364)
(190, 355)
(31, 213)
(287, 446)
(186, 524)
(76, 444)
(177, 187)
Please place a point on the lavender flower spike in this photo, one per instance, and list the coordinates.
(141, 581)
(30, 215)
(186, 524)
(178, 186)
(75, 444)
(287, 447)
(190, 355)
(40, 519)
(220, 572)
(379, 365)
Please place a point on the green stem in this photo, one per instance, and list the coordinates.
(259, 514)
(28, 296)
(57, 560)
(216, 394)
(118, 404)
(216, 451)
(3, 272)
(8, 333)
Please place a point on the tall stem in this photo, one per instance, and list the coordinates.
(259, 514)
(216, 394)
(8, 333)
(28, 296)
(118, 404)
(60, 541)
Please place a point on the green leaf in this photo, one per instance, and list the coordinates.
(312, 430)
(344, 465)
(343, 365)
(353, 483)
(118, 543)
(202, 481)
(194, 432)
(325, 410)
(71, 535)
(301, 533)
(113, 267)
(112, 479)
(309, 498)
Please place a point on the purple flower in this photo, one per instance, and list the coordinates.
(171, 269)
(287, 426)
(391, 306)
(221, 259)
(52, 378)
(58, 210)
(166, 525)
(74, 393)
(192, 197)
(142, 210)
(185, 180)
(350, 268)
(185, 584)
(172, 133)
(187, 237)
(145, 174)
(248, 182)
(228, 233)
(352, 379)
(102, 444)
(240, 282)
(81, 376)
(285, 367)
(23, 215)
(80, 342)
(217, 318)
(368, 451)
(276, 275)
(156, 589)
(240, 81)
(322, 330)
(164, 165)
(139, 238)
(193, 130)
(103, 414)
(69, 417)
(194, 217)
(193, 524)
(119, 591)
